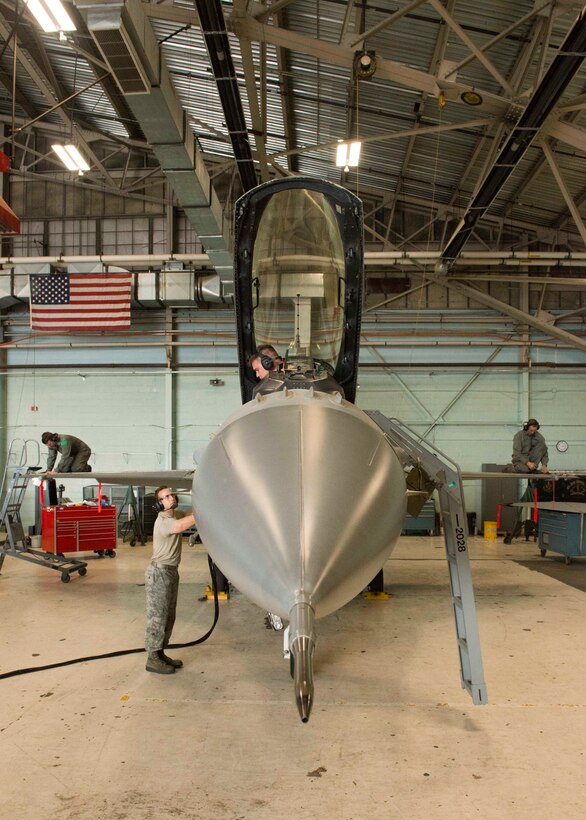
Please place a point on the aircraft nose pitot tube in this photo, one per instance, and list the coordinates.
(301, 647)
(299, 498)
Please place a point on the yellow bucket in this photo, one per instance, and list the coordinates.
(490, 532)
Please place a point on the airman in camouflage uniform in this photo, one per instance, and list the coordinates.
(75, 453)
(162, 581)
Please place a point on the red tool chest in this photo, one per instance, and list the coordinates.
(78, 529)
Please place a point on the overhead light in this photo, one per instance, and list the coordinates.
(71, 158)
(364, 64)
(348, 154)
(471, 97)
(51, 15)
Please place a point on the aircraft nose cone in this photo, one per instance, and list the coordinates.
(299, 497)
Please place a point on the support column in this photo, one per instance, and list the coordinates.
(3, 403)
(525, 353)
(170, 402)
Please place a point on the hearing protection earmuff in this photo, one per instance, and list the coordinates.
(158, 506)
(530, 423)
(267, 361)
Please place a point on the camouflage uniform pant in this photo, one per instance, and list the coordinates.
(80, 462)
(161, 585)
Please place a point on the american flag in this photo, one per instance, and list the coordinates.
(80, 301)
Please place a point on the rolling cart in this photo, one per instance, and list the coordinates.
(77, 529)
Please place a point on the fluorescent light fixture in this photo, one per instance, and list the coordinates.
(51, 15)
(348, 154)
(71, 158)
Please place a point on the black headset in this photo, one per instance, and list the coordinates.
(267, 361)
(159, 506)
(530, 423)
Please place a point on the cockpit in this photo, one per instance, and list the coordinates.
(298, 285)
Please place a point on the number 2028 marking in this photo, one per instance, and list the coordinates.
(460, 539)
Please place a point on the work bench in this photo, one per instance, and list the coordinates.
(561, 528)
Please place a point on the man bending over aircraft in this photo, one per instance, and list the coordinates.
(162, 580)
(75, 453)
(529, 449)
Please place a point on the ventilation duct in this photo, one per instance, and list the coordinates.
(160, 114)
(174, 286)
(122, 59)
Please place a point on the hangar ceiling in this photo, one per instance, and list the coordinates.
(471, 118)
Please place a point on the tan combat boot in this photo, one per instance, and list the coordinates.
(157, 664)
(171, 661)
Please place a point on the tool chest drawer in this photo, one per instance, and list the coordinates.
(75, 529)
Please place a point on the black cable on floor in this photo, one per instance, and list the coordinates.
(121, 652)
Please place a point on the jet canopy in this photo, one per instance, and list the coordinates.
(299, 276)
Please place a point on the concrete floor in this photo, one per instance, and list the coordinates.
(392, 734)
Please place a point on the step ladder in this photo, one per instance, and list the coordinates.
(15, 481)
(10, 521)
(445, 475)
(20, 453)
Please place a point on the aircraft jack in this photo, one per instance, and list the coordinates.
(369, 595)
(208, 595)
(375, 590)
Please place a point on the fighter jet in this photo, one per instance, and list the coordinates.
(300, 497)
(316, 495)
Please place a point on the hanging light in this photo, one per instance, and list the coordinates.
(51, 15)
(71, 158)
(348, 154)
(471, 97)
(364, 64)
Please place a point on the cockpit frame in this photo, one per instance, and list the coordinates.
(347, 209)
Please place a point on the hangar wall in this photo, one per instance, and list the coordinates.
(137, 413)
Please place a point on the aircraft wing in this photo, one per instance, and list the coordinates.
(176, 479)
(533, 476)
(558, 506)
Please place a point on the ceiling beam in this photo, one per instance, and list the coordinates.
(257, 120)
(569, 200)
(388, 21)
(478, 53)
(560, 72)
(502, 307)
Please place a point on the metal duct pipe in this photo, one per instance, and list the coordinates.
(124, 260)
(213, 26)
(151, 289)
(371, 258)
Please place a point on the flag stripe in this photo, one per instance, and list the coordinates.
(56, 317)
(110, 305)
(97, 325)
(97, 291)
(83, 277)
